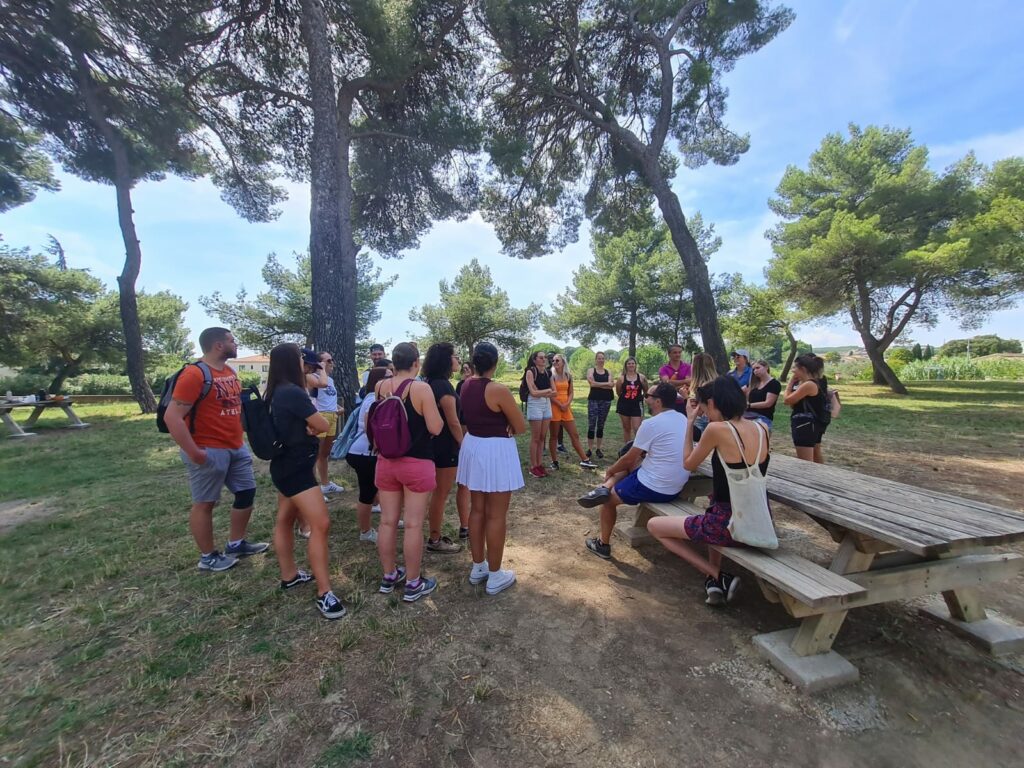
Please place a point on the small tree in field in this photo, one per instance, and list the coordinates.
(870, 232)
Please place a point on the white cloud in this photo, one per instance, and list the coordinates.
(989, 147)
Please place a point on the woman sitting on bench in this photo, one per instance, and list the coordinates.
(725, 435)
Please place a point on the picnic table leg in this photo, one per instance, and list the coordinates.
(15, 427)
(76, 423)
(804, 655)
(31, 420)
(965, 614)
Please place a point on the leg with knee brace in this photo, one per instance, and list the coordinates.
(244, 499)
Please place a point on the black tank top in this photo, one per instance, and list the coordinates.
(601, 394)
(421, 447)
(541, 380)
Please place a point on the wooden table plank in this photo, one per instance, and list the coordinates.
(987, 532)
(909, 498)
(846, 514)
(809, 471)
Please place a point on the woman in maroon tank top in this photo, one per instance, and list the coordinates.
(489, 467)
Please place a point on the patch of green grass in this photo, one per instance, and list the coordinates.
(348, 752)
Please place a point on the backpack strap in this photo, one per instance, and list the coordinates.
(203, 392)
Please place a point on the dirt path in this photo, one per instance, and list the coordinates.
(593, 663)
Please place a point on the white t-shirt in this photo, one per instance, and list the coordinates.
(361, 445)
(326, 400)
(662, 437)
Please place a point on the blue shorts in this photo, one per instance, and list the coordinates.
(632, 491)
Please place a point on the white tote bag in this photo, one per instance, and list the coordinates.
(751, 521)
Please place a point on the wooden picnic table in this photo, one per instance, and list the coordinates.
(18, 430)
(895, 542)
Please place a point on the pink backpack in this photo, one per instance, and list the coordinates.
(387, 424)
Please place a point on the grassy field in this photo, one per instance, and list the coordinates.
(116, 650)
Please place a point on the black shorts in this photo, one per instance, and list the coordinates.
(807, 432)
(446, 451)
(632, 408)
(293, 474)
(366, 469)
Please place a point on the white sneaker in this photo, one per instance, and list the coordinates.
(478, 573)
(500, 580)
(331, 487)
(370, 536)
(375, 509)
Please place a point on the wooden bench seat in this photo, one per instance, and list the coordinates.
(816, 588)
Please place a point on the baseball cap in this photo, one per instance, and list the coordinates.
(741, 353)
(309, 357)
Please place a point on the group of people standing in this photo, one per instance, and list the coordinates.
(464, 436)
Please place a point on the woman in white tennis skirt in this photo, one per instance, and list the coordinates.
(489, 467)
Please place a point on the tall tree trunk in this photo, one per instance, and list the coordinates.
(123, 182)
(333, 305)
(790, 357)
(632, 333)
(693, 262)
(881, 368)
(65, 372)
(860, 314)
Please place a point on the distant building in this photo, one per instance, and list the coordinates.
(253, 364)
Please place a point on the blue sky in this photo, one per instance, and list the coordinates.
(950, 71)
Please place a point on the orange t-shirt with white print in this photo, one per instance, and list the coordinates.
(219, 414)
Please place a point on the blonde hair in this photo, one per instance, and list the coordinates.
(704, 371)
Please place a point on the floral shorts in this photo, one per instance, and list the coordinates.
(713, 526)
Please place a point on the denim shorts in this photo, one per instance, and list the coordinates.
(538, 408)
(231, 467)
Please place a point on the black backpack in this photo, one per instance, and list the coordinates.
(259, 425)
(524, 390)
(166, 396)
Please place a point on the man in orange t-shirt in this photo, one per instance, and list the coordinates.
(209, 433)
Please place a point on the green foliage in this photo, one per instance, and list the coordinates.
(24, 169)
(649, 360)
(917, 351)
(634, 290)
(979, 346)
(65, 322)
(929, 353)
(566, 71)
(962, 368)
(284, 311)
(872, 233)
(580, 360)
(473, 309)
(898, 357)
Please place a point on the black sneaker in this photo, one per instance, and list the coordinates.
(554, 465)
(730, 585)
(716, 595)
(387, 586)
(330, 606)
(588, 464)
(600, 453)
(561, 448)
(595, 497)
(604, 551)
(463, 533)
(426, 586)
(300, 577)
(589, 454)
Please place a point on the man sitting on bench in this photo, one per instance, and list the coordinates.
(660, 475)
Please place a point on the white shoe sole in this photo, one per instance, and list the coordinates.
(475, 580)
(502, 587)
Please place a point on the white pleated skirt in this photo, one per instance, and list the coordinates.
(489, 464)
